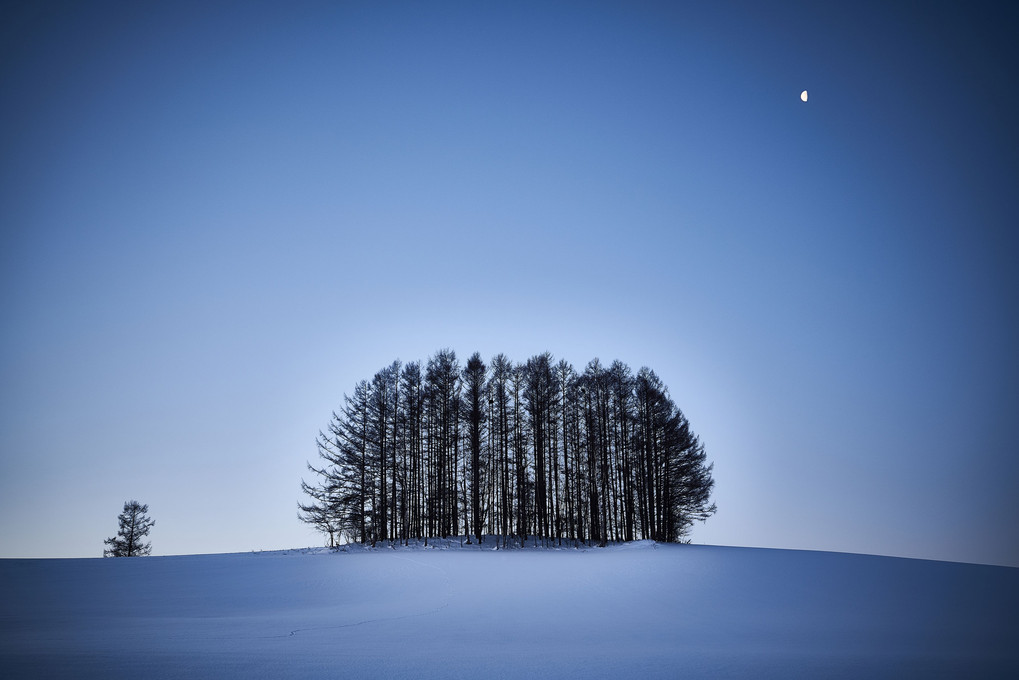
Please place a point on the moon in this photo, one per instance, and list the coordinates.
(803, 95)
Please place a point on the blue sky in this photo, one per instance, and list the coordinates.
(215, 220)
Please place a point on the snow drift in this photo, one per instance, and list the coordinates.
(636, 610)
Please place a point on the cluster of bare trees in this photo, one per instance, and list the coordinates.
(524, 450)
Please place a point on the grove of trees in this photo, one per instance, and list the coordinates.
(134, 527)
(528, 450)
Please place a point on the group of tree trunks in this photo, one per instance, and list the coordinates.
(517, 450)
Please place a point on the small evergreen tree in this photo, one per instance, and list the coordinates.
(134, 526)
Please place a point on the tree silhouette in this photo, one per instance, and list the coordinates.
(532, 449)
(134, 526)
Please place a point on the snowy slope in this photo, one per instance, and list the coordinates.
(639, 610)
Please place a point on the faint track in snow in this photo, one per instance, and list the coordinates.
(445, 603)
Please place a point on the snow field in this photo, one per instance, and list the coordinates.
(635, 610)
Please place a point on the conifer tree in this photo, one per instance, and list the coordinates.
(134, 526)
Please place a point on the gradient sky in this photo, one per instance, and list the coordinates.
(216, 219)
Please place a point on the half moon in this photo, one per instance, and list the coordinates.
(803, 95)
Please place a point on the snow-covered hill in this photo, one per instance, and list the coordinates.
(638, 610)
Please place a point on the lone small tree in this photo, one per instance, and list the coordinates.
(134, 526)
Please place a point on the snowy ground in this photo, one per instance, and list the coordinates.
(638, 610)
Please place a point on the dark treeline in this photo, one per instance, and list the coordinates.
(525, 450)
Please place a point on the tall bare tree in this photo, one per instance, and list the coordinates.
(474, 415)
